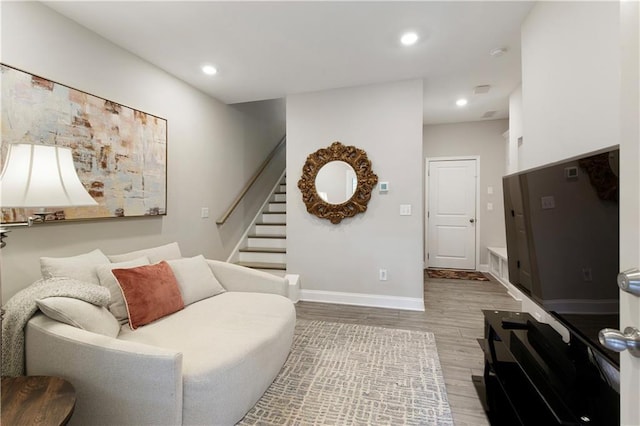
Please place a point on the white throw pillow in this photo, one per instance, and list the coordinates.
(195, 279)
(81, 267)
(117, 305)
(155, 254)
(81, 314)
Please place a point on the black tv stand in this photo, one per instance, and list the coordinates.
(532, 377)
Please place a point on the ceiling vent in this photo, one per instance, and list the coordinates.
(478, 90)
(489, 114)
(498, 51)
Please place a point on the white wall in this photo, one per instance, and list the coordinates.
(212, 147)
(341, 262)
(515, 130)
(570, 85)
(483, 139)
(570, 80)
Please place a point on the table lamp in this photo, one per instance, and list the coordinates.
(39, 176)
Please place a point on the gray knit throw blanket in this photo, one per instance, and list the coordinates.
(20, 308)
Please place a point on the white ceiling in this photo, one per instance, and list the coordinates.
(266, 50)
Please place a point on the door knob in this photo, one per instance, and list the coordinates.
(629, 281)
(618, 341)
(472, 220)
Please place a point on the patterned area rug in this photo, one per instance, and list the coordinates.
(455, 274)
(349, 374)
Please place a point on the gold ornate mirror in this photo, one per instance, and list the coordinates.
(337, 182)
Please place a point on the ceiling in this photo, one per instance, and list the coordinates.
(267, 50)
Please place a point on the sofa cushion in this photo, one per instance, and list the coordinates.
(195, 279)
(235, 346)
(150, 292)
(81, 314)
(81, 267)
(117, 306)
(155, 254)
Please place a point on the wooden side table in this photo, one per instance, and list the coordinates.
(41, 400)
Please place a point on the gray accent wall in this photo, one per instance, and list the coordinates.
(213, 148)
(485, 140)
(343, 261)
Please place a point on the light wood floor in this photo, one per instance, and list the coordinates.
(453, 314)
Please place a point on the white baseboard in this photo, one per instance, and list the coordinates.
(483, 267)
(514, 293)
(359, 299)
(511, 289)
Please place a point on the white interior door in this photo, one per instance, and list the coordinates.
(629, 202)
(451, 214)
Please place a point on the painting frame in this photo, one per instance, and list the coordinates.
(120, 152)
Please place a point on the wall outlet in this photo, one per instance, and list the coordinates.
(383, 274)
(586, 274)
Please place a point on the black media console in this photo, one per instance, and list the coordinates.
(532, 377)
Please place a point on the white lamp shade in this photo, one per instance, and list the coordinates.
(41, 176)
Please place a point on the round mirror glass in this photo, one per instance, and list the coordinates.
(336, 182)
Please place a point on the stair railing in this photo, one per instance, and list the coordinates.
(250, 183)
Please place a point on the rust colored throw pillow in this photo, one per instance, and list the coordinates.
(150, 292)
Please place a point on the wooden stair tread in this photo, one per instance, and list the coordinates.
(271, 224)
(263, 250)
(275, 236)
(263, 265)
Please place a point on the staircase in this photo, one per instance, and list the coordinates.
(265, 245)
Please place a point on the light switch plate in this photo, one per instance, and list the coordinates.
(405, 209)
(384, 187)
(548, 202)
(204, 212)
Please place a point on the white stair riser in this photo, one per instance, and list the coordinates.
(274, 218)
(267, 242)
(277, 208)
(271, 230)
(271, 223)
(263, 257)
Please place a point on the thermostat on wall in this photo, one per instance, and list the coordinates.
(384, 187)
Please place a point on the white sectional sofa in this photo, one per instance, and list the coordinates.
(206, 364)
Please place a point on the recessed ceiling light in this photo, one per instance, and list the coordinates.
(209, 70)
(461, 102)
(409, 39)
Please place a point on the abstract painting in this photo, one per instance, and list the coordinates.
(120, 153)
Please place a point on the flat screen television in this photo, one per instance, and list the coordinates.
(562, 228)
